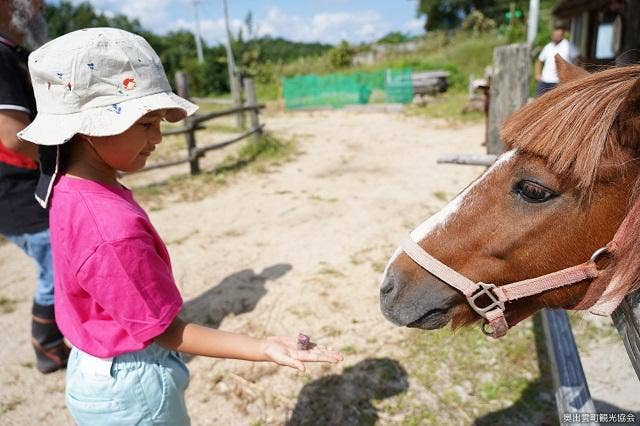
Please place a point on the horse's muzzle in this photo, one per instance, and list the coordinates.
(425, 303)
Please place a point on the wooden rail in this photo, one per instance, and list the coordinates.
(571, 388)
(468, 159)
(626, 317)
(195, 123)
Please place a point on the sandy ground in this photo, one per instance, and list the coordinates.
(299, 247)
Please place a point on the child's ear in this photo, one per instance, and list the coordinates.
(567, 71)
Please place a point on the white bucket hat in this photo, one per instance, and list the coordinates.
(96, 82)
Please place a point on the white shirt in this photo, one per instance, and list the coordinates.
(568, 52)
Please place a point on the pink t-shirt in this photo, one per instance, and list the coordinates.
(114, 289)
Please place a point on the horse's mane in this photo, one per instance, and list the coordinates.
(576, 126)
(627, 268)
(579, 127)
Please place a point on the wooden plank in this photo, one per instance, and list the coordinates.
(626, 317)
(241, 120)
(162, 165)
(571, 389)
(181, 130)
(201, 150)
(250, 93)
(215, 114)
(182, 84)
(468, 159)
(215, 101)
(509, 89)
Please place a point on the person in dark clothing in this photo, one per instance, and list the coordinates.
(22, 220)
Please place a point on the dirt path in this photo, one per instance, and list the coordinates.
(299, 247)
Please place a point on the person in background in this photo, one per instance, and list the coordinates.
(22, 220)
(545, 66)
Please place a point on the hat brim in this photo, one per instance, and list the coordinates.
(56, 129)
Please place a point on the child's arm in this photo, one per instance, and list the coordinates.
(199, 340)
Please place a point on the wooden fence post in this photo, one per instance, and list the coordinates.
(182, 86)
(237, 100)
(571, 389)
(509, 89)
(250, 93)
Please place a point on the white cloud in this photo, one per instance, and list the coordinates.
(152, 14)
(414, 26)
(355, 27)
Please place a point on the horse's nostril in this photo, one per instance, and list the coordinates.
(387, 286)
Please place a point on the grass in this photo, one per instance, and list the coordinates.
(378, 266)
(10, 405)
(497, 382)
(329, 331)
(326, 269)
(460, 53)
(441, 195)
(249, 157)
(7, 305)
(447, 106)
(586, 330)
(348, 350)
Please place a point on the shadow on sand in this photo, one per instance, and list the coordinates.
(236, 294)
(346, 399)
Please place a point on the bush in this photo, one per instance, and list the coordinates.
(341, 56)
(477, 22)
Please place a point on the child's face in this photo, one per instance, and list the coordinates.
(129, 150)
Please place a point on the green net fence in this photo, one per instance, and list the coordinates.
(336, 90)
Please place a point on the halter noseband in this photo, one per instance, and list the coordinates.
(493, 313)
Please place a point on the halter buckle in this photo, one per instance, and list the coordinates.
(485, 289)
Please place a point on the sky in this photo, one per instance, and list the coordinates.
(327, 21)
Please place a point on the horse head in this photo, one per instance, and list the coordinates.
(558, 194)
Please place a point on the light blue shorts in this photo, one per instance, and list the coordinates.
(138, 388)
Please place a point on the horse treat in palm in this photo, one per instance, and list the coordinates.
(304, 342)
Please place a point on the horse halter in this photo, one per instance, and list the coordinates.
(493, 313)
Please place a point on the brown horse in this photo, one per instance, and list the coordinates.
(559, 193)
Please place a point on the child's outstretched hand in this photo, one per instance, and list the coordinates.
(284, 351)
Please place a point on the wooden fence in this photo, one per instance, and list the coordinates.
(196, 122)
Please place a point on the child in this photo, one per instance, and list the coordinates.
(101, 95)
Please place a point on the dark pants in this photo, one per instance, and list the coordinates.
(544, 87)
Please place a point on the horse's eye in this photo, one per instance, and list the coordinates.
(533, 192)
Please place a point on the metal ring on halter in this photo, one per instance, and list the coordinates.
(598, 253)
(488, 332)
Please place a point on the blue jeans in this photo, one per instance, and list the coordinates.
(137, 388)
(38, 247)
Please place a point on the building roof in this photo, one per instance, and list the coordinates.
(568, 8)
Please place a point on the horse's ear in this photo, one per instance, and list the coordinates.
(629, 115)
(567, 71)
(630, 107)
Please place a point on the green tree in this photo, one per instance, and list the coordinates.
(341, 56)
(66, 17)
(477, 22)
(449, 14)
(393, 38)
